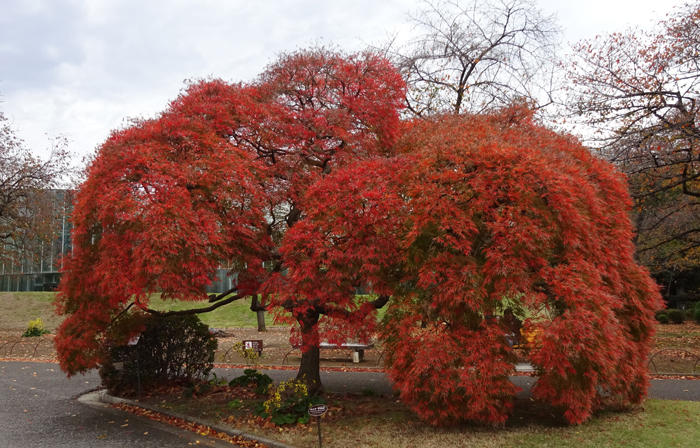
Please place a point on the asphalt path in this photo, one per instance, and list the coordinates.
(39, 407)
(357, 382)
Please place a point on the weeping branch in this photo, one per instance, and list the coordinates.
(255, 305)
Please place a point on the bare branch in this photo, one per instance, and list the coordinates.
(475, 55)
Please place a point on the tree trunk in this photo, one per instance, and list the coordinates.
(261, 321)
(259, 311)
(310, 368)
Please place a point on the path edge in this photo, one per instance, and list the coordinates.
(103, 397)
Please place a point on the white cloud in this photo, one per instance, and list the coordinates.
(80, 67)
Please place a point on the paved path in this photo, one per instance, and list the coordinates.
(356, 382)
(39, 409)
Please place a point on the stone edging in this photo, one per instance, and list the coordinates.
(103, 397)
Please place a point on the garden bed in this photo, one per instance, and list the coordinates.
(369, 420)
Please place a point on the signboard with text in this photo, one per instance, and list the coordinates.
(255, 344)
(318, 410)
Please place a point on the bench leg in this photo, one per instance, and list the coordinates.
(358, 356)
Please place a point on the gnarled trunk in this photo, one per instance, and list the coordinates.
(309, 370)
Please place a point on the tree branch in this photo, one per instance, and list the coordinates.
(377, 303)
(215, 298)
(195, 310)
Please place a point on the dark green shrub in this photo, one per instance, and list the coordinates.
(662, 318)
(659, 313)
(252, 376)
(688, 314)
(675, 316)
(177, 347)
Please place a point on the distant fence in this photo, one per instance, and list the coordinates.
(18, 347)
(673, 361)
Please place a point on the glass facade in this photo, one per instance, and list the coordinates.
(39, 269)
(223, 282)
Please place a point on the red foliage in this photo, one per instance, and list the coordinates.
(509, 214)
(307, 185)
(214, 181)
(474, 215)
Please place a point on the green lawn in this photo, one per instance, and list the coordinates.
(18, 308)
(235, 314)
(21, 307)
(663, 423)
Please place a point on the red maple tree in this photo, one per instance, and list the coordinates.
(307, 184)
(216, 180)
(473, 215)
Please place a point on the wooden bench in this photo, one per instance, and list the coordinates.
(348, 347)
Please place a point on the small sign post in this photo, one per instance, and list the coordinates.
(317, 411)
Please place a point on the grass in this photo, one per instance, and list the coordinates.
(660, 424)
(235, 314)
(377, 421)
(21, 307)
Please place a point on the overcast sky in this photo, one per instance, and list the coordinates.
(79, 67)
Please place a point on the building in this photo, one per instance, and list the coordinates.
(39, 268)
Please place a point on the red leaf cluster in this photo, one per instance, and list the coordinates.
(214, 181)
(476, 214)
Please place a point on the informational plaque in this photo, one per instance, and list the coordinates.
(318, 410)
(255, 344)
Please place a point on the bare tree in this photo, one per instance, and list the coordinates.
(476, 55)
(638, 93)
(26, 201)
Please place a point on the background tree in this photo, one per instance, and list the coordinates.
(476, 55)
(637, 94)
(27, 210)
